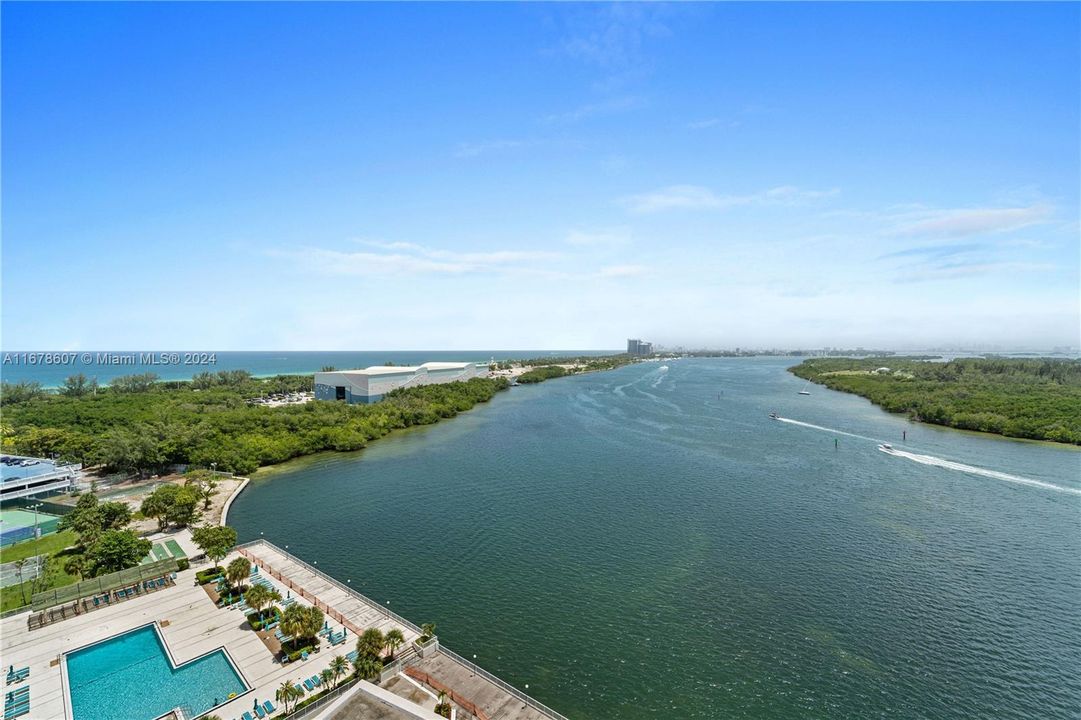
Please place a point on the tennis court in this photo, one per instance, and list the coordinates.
(16, 525)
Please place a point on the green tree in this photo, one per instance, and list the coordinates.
(87, 520)
(427, 630)
(442, 707)
(78, 385)
(260, 596)
(205, 485)
(367, 667)
(114, 515)
(215, 540)
(238, 571)
(371, 643)
(20, 392)
(116, 550)
(394, 639)
(157, 505)
(303, 622)
(134, 383)
(327, 676)
(338, 666)
(171, 504)
(286, 693)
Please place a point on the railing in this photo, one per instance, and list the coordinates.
(323, 700)
(535, 704)
(316, 571)
(515, 692)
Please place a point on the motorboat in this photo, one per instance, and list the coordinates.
(774, 416)
(886, 447)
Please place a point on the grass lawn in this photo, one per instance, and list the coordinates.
(48, 545)
(12, 596)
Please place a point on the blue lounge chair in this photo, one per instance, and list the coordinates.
(308, 685)
(247, 716)
(351, 656)
(299, 689)
(269, 707)
(259, 711)
(304, 655)
(316, 681)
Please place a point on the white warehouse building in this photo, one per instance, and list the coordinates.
(371, 384)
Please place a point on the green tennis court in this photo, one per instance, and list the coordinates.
(17, 524)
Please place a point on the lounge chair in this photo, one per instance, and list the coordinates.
(351, 656)
(304, 655)
(269, 707)
(316, 681)
(259, 711)
(247, 716)
(308, 685)
(299, 689)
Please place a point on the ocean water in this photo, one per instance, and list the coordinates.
(129, 677)
(50, 369)
(648, 543)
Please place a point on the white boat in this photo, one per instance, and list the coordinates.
(805, 391)
(886, 447)
(663, 367)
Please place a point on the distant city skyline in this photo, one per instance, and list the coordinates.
(466, 176)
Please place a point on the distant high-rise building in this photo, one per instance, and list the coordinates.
(639, 347)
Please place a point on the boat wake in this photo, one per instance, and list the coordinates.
(973, 470)
(823, 429)
(941, 462)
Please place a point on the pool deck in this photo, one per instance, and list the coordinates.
(192, 625)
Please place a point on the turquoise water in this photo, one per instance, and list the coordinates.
(649, 544)
(130, 677)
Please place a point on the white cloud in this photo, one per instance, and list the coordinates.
(613, 35)
(621, 271)
(406, 258)
(588, 110)
(963, 222)
(604, 238)
(469, 150)
(696, 197)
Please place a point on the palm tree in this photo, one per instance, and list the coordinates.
(238, 571)
(338, 666)
(394, 640)
(327, 676)
(19, 565)
(301, 622)
(427, 631)
(443, 707)
(367, 667)
(286, 694)
(260, 596)
(312, 622)
(370, 643)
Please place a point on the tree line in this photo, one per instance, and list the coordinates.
(1037, 398)
(207, 421)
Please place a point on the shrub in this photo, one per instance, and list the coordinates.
(182, 564)
(204, 576)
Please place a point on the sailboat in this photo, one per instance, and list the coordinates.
(805, 391)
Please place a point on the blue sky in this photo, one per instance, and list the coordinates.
(414, 176)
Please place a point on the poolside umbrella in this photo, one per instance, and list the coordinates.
(256, 705)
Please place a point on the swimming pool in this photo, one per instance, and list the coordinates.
(131, 677)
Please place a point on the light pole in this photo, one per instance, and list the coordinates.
(474, 665)
(35, 507)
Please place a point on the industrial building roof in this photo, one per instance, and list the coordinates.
(397, 369)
